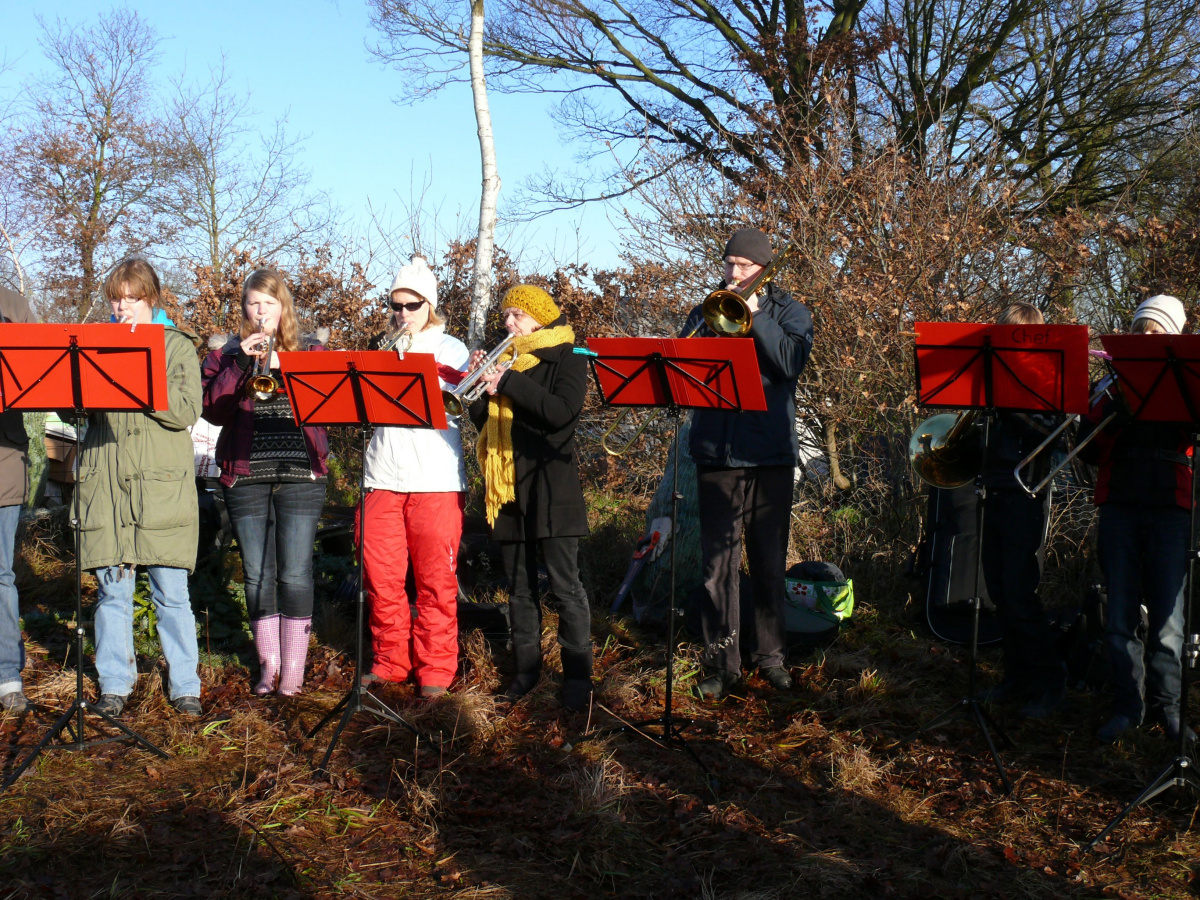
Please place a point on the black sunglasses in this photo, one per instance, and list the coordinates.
(411, 307)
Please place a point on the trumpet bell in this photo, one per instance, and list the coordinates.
(939, 462)
(262, 387)
(726, 313)
(453, 405)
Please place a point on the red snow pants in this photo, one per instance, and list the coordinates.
(425, 528)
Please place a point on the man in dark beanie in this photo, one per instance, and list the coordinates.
(745, 466)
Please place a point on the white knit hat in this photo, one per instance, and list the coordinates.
(418, 278)
(1164, 309)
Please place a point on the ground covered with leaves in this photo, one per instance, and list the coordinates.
(813, 792)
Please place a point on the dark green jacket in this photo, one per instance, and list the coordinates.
(137, 490)
(14, 443)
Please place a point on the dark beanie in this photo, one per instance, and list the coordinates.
(751, 244)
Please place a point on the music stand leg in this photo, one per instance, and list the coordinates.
(1179, 772)
(78, 706)
(969, 706)
(357, 699)
(672, 726)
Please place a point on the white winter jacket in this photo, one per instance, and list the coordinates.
(421, 460)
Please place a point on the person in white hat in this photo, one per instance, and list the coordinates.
(1143, 490)
(415, 483)
(1161, 314)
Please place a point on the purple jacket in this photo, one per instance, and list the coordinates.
(226, 404)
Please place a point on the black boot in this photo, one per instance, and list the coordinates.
(577, 679)
(528, 659)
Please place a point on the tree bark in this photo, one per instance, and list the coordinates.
(12, 251)
(481, 288)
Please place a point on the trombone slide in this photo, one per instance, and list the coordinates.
(1104, 387)
(1050, 439)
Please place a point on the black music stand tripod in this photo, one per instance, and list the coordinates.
(358, 699)
(664, 371)
(1180, 772)
(79, 706)
(970, 707)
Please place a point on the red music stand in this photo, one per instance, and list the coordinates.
(85, 368)
(1031, 368)
(363, 388)
(676, 373)
(1159, 379)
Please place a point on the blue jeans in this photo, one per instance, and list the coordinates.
(12, 648)
(115, 660)
(1142, 551)
(275, 524)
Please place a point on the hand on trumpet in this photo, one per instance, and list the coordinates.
(490, 380)
(255, 346)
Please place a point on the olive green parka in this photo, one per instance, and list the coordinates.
(137, 488)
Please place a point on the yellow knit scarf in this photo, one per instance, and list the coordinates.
(495, 450)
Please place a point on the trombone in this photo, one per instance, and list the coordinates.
(1105, 387)
(726, 314)
(262, 384)
(471, 388)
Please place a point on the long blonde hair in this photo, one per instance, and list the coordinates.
(272, 283)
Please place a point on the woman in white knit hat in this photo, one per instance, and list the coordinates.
(415, 482)
(1143, 490)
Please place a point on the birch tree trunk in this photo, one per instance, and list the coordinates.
(481, 289)
(12, 251)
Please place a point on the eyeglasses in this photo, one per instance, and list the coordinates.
(410, 307)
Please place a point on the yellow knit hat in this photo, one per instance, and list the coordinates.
(533, 300)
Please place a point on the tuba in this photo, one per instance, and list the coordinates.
(726, 314)
(944, 450)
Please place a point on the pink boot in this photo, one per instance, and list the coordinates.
(294, 640)
(266, 642)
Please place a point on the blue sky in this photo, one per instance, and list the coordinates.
(308, 58)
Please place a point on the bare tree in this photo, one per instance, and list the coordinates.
(235, 187)
(90, 158)
(16, 226)
(481, 289)
(690, 75)
(1076, 94)
(1082, 100)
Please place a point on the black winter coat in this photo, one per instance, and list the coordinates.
(783, 336)
(547, 400)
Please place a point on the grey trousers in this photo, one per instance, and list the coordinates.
(525, 609)
(756, 501)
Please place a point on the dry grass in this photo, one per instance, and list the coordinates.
(818, 796)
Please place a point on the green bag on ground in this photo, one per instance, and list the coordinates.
(816, 606)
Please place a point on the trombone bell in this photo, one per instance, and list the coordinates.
(726, 313)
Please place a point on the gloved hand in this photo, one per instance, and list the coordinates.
(663, 526)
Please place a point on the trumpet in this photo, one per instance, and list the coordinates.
(399, 339)
(262, 384)
(1106, 387)
(471, 388)
(727, 314)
